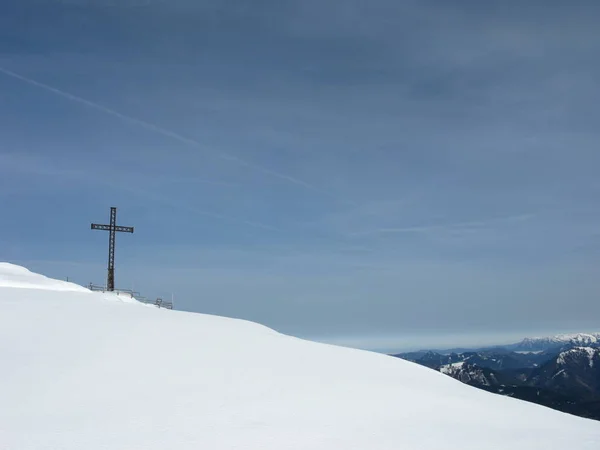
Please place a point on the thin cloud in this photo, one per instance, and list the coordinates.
(190, 180)
(187, 207)
(21, 162)
(447, 226)
(43, 167)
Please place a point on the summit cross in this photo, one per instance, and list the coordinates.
(112, 228)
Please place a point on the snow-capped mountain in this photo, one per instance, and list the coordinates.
(575, 371)
(575, 356)
(470, 374)
(87, 370)
(560, 340)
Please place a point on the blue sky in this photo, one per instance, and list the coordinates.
(380, 174)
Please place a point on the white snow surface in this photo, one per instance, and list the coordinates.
(19, 277)
(13, 276)
(81, 372)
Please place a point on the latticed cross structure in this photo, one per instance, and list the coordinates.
(112, 229)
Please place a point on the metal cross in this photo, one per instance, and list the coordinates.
(112, 229)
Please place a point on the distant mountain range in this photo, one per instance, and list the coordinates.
(547, 343)
(527, 345)
(560, 372)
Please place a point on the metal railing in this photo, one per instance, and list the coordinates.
(159, 302)
(96, 287)
(162, 303)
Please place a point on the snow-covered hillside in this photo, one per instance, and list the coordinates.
(19, 277)
(81, 372)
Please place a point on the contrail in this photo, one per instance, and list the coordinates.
(165, 132)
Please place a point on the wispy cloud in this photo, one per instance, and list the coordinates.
(181, 205)
(173, 180)
(18, 163)
(467, 225)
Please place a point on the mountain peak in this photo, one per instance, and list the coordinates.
(575, 355)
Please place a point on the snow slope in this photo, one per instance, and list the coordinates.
(20, 277)
(80, 372)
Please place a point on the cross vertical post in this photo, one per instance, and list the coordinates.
(110, 285)
(112, 228)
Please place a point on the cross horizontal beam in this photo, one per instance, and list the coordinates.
(96, 226)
